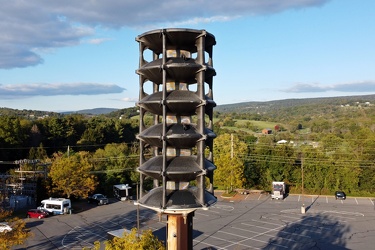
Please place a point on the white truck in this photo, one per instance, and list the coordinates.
(56, 205)
(122, 192)
(278, 190)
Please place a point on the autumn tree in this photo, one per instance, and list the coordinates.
(133, 241)
(71, 175)
(228, 153)
(17, 235)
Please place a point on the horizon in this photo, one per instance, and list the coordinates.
(84, 55)
(90, 109)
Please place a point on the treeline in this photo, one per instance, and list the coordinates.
(19, 137)
(333, 164)
(333, 146)
(88, 153)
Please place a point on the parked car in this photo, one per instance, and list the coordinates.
(37, 213)
(98, 199)
(340, 195)
(4, 227)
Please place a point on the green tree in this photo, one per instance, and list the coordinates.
(318, 177)
(115, 163)
(331, 142)
(261, 156)
(13, 134)
(75, 126)
(56, 131)
(71, 175)
(229, 160)
(38, 153)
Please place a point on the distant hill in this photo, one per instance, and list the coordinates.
(244, 107)
(30, 114)
(251, 107)
(95, 111)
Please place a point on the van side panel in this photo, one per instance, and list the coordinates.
(56, 205)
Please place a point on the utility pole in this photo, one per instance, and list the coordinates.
(231, 159)
(303, 209)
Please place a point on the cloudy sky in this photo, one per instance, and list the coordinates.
(70, 55)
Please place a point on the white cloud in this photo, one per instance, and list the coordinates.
(129, 99)
(365, 86)
(39, 25)
(198, 20)
(98, 40)
(15, 91)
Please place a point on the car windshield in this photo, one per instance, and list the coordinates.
(100, 196)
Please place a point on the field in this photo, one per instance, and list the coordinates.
(256, 126)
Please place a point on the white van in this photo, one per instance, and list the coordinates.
(56, 205)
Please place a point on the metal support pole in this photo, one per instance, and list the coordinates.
(303, 209)
(180, 232)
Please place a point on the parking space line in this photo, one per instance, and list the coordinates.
(210, 245)
(356, 200)
(297, 222)
(286, 216)
(299, 196)
(232, 242)
(253, 238)
(201, 214)
(251, 225)
(153, 228)
(276, 215)
(259, 197)
(372, 202)
(346, 213)
(265, 222)
(76, 236)
(327, 199)
(222, 207)
(80, 240)
(271, 235)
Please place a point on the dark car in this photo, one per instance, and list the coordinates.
(340, 195)
(36, 213)
(98, 199)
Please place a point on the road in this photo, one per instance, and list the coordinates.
(253, 221)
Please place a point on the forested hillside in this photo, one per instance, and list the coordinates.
(274, 106)
(331, 139)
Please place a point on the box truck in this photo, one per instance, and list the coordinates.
(278, 190)
(122, 192)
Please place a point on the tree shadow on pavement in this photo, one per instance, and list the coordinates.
(312, 231)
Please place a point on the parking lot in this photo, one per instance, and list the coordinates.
(252, 221)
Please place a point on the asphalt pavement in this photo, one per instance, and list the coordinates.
(252, 221)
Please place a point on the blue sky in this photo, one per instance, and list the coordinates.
(71, 55)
